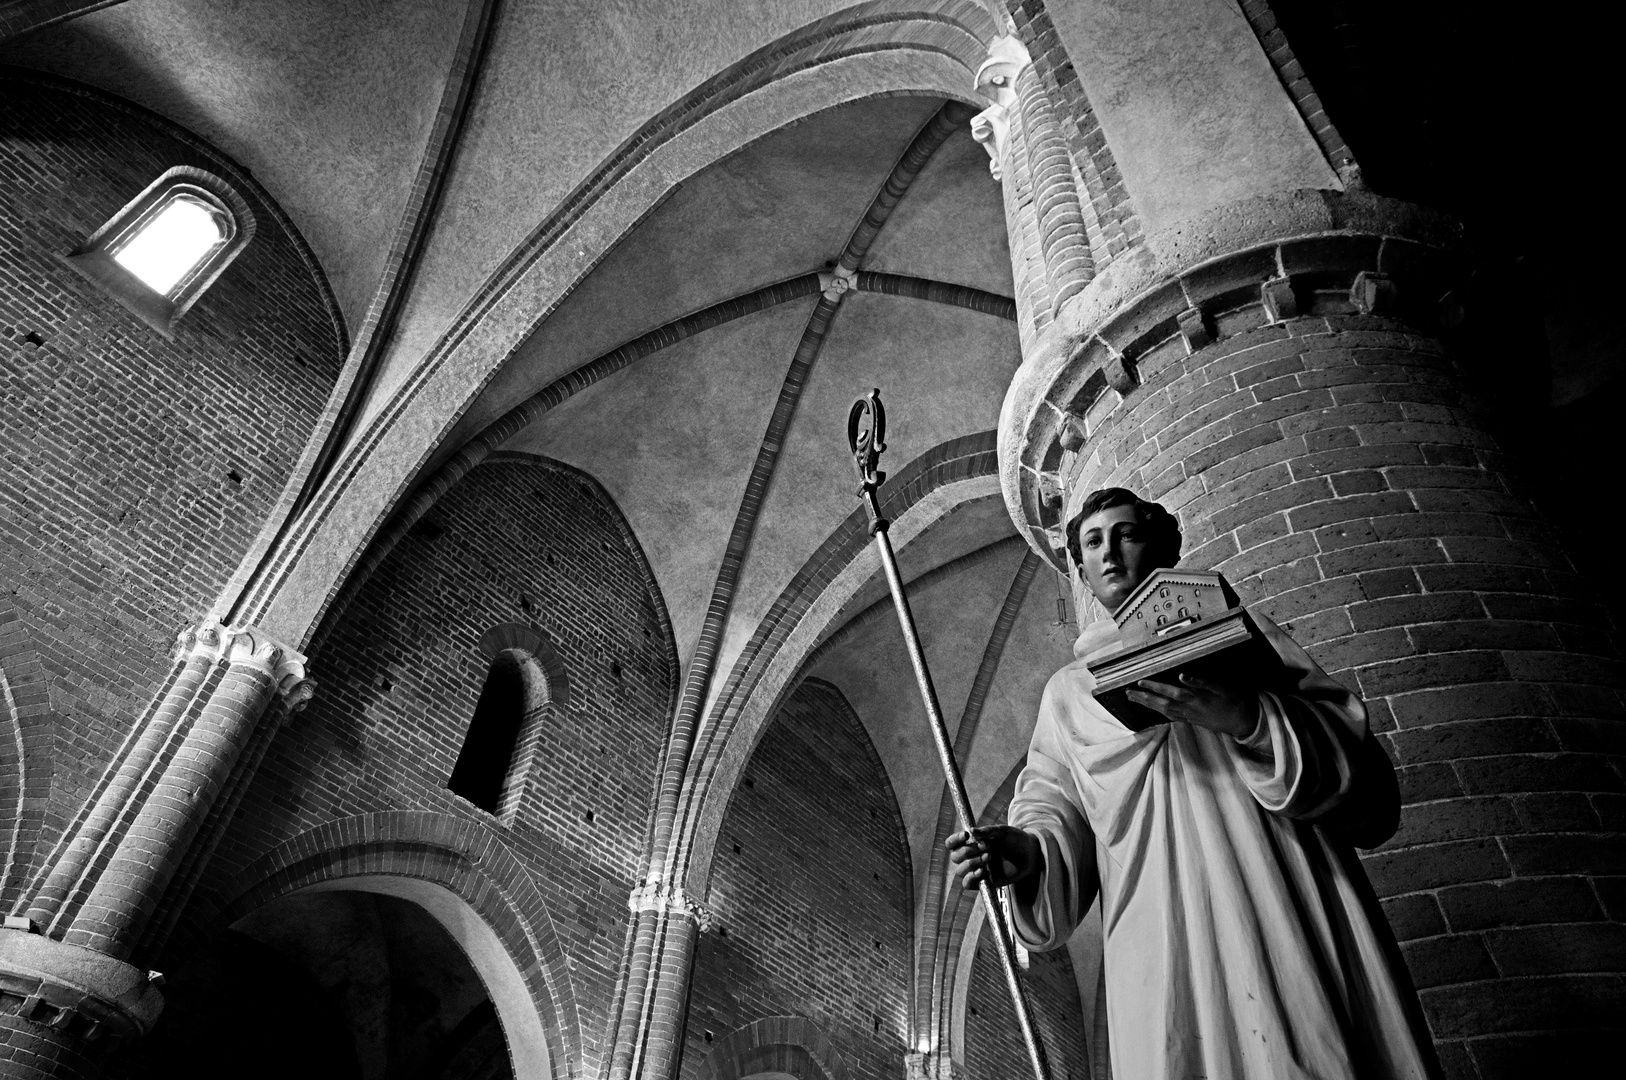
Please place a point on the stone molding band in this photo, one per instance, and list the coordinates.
(78, 991)
(1056, 398)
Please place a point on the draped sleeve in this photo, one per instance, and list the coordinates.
(1047, 805)
(1311, 756)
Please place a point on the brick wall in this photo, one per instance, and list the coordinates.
(1333, 470)
(993, 1043)
(400, 670)
(812, 887)
(120, 519)
(1116, 225)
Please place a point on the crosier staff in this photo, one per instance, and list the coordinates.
(867, 441)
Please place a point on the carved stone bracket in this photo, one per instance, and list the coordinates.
(996, 81)
(673, 901)
(76, 990)
(1277, 297)
(992, 129)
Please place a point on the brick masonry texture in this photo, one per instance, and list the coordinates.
(812, 888)
(1333, 469)
(400, 668)
(120, 518)
(993, 1042)
(1116, 226)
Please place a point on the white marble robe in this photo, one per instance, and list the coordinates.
(1241, 943)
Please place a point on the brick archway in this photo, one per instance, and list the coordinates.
(463, 875)
(783, 1045)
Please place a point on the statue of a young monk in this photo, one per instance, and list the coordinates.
(1242, 939)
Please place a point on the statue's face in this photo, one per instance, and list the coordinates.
(1117, 555)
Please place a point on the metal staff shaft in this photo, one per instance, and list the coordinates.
(866, 445)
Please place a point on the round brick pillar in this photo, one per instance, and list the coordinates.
(1293, 403)
(67, 991)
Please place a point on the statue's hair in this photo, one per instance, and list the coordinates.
(1162, 526)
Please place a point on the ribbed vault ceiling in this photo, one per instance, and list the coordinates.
(332, 107)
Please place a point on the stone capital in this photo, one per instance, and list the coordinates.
(73, 989)
(931, 1065)
(249, 647)
(673, 901)
(996, 78)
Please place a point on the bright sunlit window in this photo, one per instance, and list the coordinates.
(172, 243)
(168, 245)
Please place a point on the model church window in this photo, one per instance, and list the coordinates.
(159, 253)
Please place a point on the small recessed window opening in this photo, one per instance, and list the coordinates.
(488, 748)
(525, 686)
(174, 241)
(158, 254)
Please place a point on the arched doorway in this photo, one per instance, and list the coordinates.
(369, 978)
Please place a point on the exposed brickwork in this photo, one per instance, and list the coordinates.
(815, 903)
(1297, 83)
(1331, 468)
(517, 541)
(30, 1051)
(993, 1043)
(1115, 214)
(784, 1044)
(119, 516)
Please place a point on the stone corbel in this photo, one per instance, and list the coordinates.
(1278, 299)
(1372, 293)
(672, 901)
(996, 78)
(996, 81)
(1052, 490)
(1194, 329)
(992, 128)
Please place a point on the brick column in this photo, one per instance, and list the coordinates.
(1044, 214)
(1292, 401)
(649, 1042)
(66, 989)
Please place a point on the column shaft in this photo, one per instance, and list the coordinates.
(66, 990)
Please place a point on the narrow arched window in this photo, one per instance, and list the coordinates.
(525, 684)
(159, 253)
(487, 757)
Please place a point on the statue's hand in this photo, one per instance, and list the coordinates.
(1001, 854)
(1210, 705)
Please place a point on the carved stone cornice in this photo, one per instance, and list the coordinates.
(76, 990)
(672, 901)
(1298, 253)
